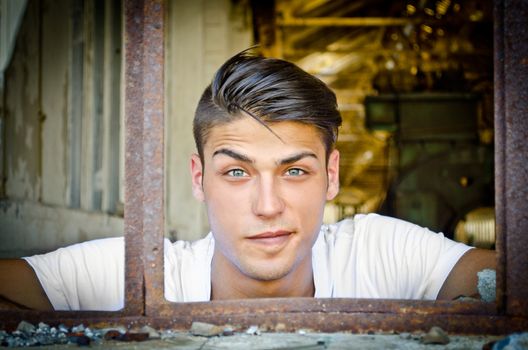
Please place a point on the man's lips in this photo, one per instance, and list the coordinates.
(271, 240)
(270, 235)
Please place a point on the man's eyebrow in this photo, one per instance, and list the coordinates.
(233, 154)
(296, 157)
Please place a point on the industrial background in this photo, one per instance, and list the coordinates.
(414, 81)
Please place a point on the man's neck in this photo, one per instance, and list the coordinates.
(228, 282)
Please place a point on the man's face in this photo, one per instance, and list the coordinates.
(264, 195)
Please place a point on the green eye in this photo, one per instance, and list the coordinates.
(236, 173)
(295, 172)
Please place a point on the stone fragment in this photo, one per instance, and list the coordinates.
(487, 285)
(42, 339)
(253, 330)
(280, 327)
(167, 334)
(436, 335)
(153, 334)
(14, 342)
(120, 329)
(79, 328)
(112, 334)
(515, 341)
(82, 340)
(323, 342)
(405, 336)
(43, 327)
(129, 336)
(88, 332)
(205, 329)
(228, 331)
(416, 336)
(26, 327)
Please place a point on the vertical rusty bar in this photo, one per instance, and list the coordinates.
(153, 124)
(133, 37)
(144, 212)
(500, 192)
(144, 153)
(511, 120)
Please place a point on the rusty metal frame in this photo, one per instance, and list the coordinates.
(145, 303)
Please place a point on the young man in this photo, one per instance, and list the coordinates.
(265, 132)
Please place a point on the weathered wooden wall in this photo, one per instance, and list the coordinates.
(62, 115)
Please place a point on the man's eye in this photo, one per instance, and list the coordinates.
(236, 173)
(295, 172)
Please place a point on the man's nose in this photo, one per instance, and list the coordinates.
(268, 201)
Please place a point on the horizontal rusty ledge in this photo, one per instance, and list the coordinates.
(266, 308)
(307, 305)
(356, 322)
(317, 322)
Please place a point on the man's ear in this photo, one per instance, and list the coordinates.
(333, 175)
(196, 177)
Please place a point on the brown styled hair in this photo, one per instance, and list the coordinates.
(269, 90)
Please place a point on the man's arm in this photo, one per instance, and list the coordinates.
(20, 287)
(462, 279)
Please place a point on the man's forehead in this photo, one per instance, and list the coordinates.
(248, 133)
(246, 125)
(250, 139)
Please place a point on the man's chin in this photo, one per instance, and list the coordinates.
(265, 275)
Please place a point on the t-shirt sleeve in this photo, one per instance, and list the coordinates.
(404, 260)
(84, 276)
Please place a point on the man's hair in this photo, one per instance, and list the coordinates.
(268, 90)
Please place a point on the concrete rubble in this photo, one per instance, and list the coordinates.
(487, 285)
(436, 335)
(208, 336)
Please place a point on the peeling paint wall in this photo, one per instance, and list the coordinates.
(55, 81)
(22, 126)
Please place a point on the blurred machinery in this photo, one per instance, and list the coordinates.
(477, 228)
(440, 168)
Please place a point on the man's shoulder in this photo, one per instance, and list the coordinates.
(360, 222)
(368, 227)
(188, 269)
(370, 221)
(198, 249)
(198, 244)
(114, 245)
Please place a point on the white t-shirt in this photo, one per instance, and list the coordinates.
(368, 256)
